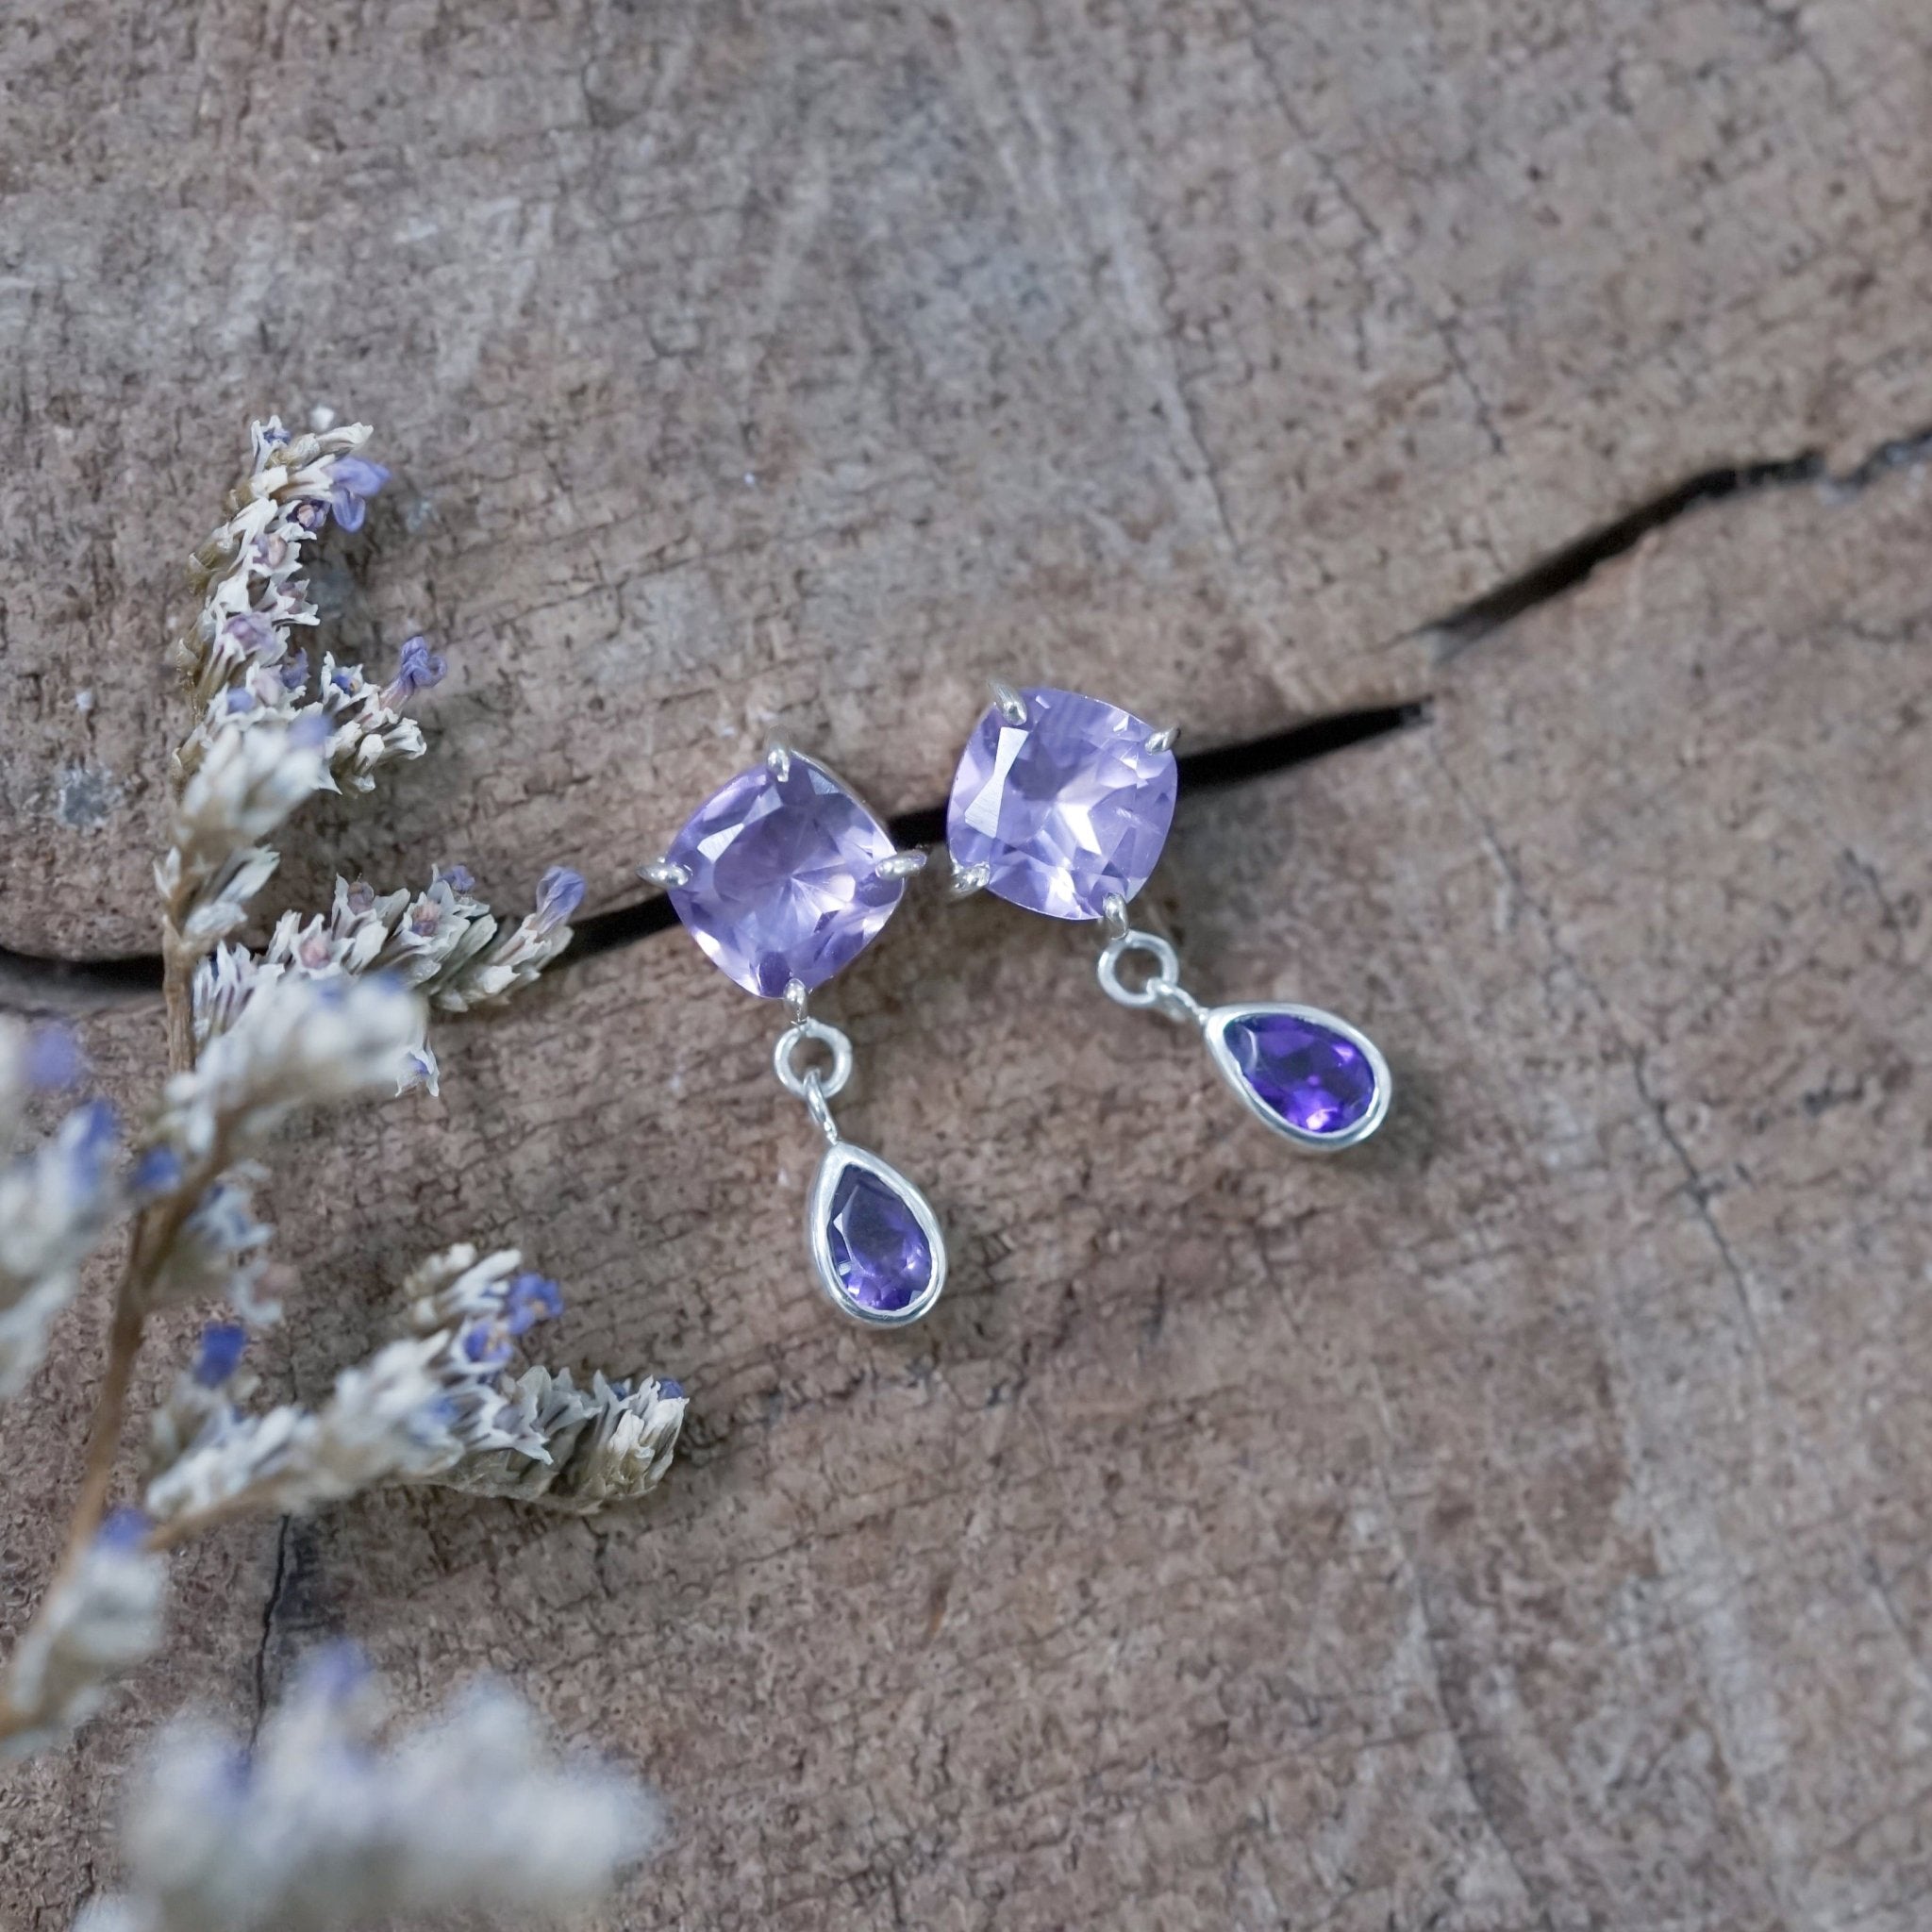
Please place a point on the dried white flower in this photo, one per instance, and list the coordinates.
(435, 1406)
(416, 1406)
(99, 1622)
(517, 959)
(248, 783)
(248, 571)
(202, 1398)
(220, 1249)
(296, 1042)
(57, 1199)
(442, 941)
(319, 1827)
(611, 1443)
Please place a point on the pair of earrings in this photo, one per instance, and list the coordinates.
(1062, 804)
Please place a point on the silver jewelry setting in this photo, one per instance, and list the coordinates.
(818, 1089)
(1214, 1025)
(1164, 993)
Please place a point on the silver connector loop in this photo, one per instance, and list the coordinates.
(816, 1087)
(1161, 990)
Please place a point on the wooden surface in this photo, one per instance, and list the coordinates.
(1522, 1523)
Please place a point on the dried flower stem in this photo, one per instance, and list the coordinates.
(152, 1233)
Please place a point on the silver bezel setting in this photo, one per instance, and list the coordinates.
(1214, 1030)
(818, 1204)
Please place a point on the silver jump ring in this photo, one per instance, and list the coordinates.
(1162, 981)
(826, 1086)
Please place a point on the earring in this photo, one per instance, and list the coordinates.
(783, 877)
(1062, 804)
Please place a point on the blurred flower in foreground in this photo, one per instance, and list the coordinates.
(99, 1621)
(323, 1824)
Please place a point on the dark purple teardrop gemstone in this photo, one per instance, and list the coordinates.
(880, 1251)
(1313, 1078)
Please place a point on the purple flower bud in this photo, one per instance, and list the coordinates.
(52, 1059)
(157, 1171)
(670, 1389)
(360, 897)
(222, 1343)
(94, 1144)
(420, 668)
(560, 892)
(459, 878)
(310, 731)
(482, 1344)
(335, 1671)
(295, 669)
(358, 475)
(356, 479)
(530, 1299)
(123, 1529)
(238, 702)
(250, 631)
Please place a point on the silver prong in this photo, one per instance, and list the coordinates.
(901, 865)
(1113, 915)
(1009, 702)
(795, 997)
(664, 872)
(779, 762)
(1163, 739)
(968, 879)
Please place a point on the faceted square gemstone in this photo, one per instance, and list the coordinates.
(1308, 1075)
(784, 878)
(1064, 808)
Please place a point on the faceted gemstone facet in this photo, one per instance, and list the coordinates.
(1065, 808)
(880, 1251)
(784, 878)
(1313, 1078)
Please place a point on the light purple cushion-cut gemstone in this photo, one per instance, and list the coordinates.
(1065, 808)
(878, 1248)
(784, 878)
(1314, 1079)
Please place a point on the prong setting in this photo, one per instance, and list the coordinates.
(901, 865)
(1009, 702)
(664, 872)
(778, 762)
(968, 879)
(1163, 739)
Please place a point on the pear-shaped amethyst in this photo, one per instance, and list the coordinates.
(879, 1252)
(1063, 808)
(1316, 1079)
(784, 880)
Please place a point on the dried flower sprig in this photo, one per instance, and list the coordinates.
(441, 941)
(319, 1827)
(99, 1622)
(57, 1199)
(333, 1009)
(434, 1405)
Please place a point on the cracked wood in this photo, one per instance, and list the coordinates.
(756, 371)
(1522, 1522)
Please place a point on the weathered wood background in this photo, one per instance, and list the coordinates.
(1522, 1523)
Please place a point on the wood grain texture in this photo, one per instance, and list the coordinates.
(1519, 1523)
(1522, 1522)
(796, 367)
